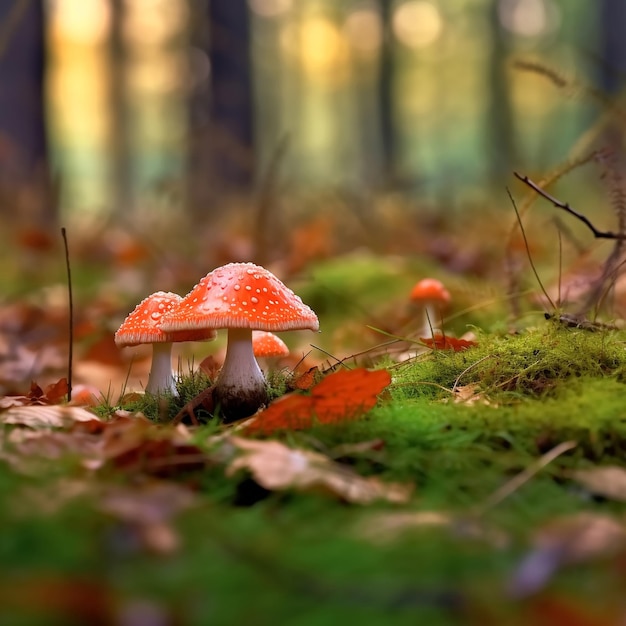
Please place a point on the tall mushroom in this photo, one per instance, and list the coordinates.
(143, 325)
(241, 297)
(430, 295)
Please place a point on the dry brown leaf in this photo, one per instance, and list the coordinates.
(149, 509)
(276, 467)
(384, 527)
(53, 444)
(470, 395)
(135, 444)
(608, 481)
(567, 540)
(46, 416)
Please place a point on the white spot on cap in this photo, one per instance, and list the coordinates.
(248, 288)
(254, 300)
(237, 287)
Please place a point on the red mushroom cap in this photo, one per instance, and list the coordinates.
(143, 324)
(268, 345)
(241, 295)
(431, 290)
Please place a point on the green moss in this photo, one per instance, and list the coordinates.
(534, 362)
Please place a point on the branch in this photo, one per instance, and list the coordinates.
(598, 234)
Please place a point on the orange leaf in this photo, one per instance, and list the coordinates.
(342, 396)
(443, 342)
(305, 381)
(57, 391)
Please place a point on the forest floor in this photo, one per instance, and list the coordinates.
(478, 482)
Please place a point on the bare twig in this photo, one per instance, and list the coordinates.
(70, 356)
(530, 258)
(598, 234)
(524, 476)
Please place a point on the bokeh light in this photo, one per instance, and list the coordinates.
(152, 22)
(363, 29)
(529, 18)
(79, 21)
(270, 8)
(417, 23)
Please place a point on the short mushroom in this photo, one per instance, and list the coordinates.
(241, 297)
(268, 346)
(431, 295)
(143, 325)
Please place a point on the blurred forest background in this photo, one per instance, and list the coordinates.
(124, 107)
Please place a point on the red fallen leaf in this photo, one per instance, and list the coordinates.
(556, 610)
(53, 393)
(36, 239)
(342, 396)
(443, 342)
(56, 392)
(305, 381)
(52, 598)
(35, 392)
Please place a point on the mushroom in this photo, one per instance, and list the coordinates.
(241, 297)
(143, 325)
(432, 296)
(268, 346)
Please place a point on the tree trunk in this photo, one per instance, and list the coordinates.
(386, 99)
(613, 45)
(221, 107)
(500, 127)
(25, 184)
(120, 153)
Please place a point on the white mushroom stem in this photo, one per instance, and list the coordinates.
(240, 387)
(161, 378)
(432, 317)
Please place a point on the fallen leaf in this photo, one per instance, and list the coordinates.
(385, 527)
(608, 482)
(553, 610)
(149, 509)
(275, 466)
(57, 599)
(443, 342)
(306, 380)
(46, 416)
(341, 396)
(135, 445)
(53, 393)
(564, 541)
(470, 394)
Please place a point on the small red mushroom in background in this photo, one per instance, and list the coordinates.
(267, 347)
(143, 325)
(241, 297)
(431, 296)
